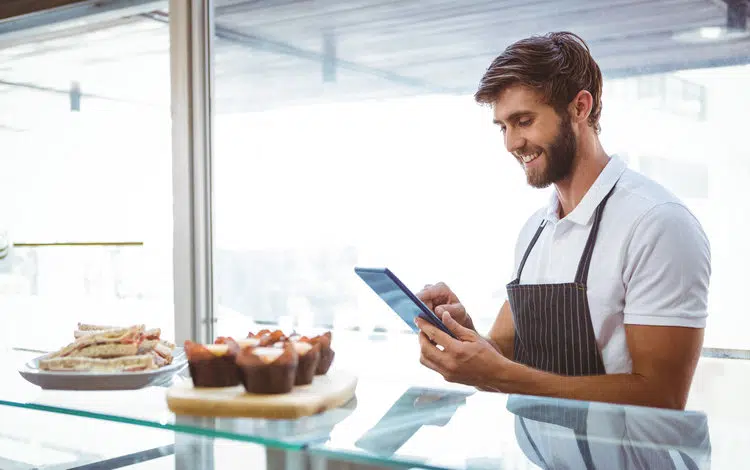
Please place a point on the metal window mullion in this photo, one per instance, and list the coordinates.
(190, 24)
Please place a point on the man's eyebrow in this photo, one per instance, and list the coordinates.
(514, 117)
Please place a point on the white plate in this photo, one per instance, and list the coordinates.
(59, 380)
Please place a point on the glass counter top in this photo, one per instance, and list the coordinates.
(406, 415)
(450, 429)
(148, 406)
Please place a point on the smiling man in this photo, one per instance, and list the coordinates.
(609, 298)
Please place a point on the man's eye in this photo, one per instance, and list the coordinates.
(525, 123)
(502, 129)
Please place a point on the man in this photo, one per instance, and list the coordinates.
(609, 299)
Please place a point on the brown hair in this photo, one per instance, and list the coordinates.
(559, 65)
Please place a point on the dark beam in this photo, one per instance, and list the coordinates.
(67, 92)
(13, 8)
(280, 47)
(329, 57)
(737, 12)
(30, 25)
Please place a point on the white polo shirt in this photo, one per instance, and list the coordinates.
(650, 266)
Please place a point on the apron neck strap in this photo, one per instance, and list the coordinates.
(531, 245)
(583, 266)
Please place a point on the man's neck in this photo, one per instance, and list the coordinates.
(589, 163)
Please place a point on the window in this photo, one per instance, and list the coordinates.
(85, 198)
(347, 135)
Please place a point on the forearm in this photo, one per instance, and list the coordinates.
(628, 389)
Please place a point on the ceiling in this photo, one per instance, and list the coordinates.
(272, 53)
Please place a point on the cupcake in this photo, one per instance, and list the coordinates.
(213, 365)
(268, 370)
(309, 358)
(326, 353)
(268, 337)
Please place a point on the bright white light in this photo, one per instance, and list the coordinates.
(711, 32)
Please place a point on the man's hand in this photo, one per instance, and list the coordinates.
(440, 299)
(470, 360)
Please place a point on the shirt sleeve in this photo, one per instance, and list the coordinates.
(667, 269)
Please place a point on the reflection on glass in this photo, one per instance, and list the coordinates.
(417, 407)
(568, 434)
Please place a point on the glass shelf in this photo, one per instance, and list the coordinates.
(148, 407)
(450, 430)
(50, 441)
(412, 418)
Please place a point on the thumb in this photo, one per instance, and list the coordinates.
(456, 328)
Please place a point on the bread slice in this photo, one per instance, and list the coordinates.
(90, 327)
(120, 364)
(120, 335)
(86, 330)
(106, 350)
(77, 334)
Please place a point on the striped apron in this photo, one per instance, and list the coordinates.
(554, 333)
(553, 325)
(652, 452)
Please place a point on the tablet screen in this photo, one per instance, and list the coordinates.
(387, 287)
(389, 291)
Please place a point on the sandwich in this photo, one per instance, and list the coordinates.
(111, 348)
(119, 364)
(85, 329)
(105, 343)
(160, 350)
(90, 327)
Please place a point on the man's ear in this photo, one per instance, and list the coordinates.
(580, 107)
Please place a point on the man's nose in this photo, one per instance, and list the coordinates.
(514, 141)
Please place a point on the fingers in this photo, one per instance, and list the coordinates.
(436, 334)
(455, 310)
(432, 292)
(441, 362)
(461, 332)
(436, 294)
(428, 295)
(430, 353)
(429, 364)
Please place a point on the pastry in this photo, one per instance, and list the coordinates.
(213, 365)
(268, 337)
(268, 370)
(326, 353)
(309, 357)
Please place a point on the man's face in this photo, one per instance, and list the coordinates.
(542, 140)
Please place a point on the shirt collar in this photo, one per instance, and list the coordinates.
(585, 209)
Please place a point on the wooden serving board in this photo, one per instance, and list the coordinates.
(326, 392)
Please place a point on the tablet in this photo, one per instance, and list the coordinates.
(394, 293)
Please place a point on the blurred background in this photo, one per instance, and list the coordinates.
(346, 134)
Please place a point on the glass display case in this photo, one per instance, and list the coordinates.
(401, 423)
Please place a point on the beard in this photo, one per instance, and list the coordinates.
(559, 157)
